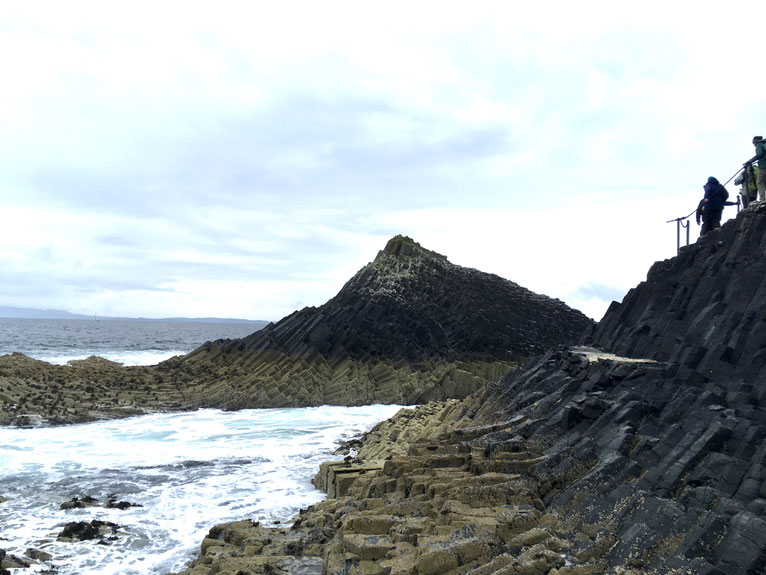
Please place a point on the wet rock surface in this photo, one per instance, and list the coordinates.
(79, 503)
(88, 501)
(10, 562)
(38, 555)
(103, 531)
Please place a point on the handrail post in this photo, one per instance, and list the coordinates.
(681, 222)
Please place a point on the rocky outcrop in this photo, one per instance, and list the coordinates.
(10, 562)
(409, 327)
(103, 531)
(645, 456)
(411, 303)
(34, 393)
(581, 462)
(88, 501)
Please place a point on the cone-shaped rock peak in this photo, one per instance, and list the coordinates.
(405, 247)
(408, 327)
(412, 303)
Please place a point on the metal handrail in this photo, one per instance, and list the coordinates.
(683, 222)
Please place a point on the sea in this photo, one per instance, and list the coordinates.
(182, 473)
(130, 342)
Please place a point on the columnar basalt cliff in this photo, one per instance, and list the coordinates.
(703, 310)
(409, 327)
(645, 456)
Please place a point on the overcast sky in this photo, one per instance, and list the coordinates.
(245, 159)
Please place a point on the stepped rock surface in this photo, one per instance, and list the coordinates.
(409, 327)
(646, 454)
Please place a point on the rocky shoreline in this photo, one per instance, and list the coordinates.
(640, 450)
(646, 456)
(34, 393)
(561, 478)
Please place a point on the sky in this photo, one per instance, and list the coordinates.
(245, 159)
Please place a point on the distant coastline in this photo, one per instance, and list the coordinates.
(10, 312)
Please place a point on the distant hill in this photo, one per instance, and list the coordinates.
(33, 313)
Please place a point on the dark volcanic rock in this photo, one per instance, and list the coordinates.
(413, 304)
(112, 503)
(79, 503)
(669, 454)
(581, 461)
(407, 328)
(88, 501)
(11, 562)
(702, 310)
(84, 531)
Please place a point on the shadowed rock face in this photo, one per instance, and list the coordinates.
(408, 327)
(704, 309)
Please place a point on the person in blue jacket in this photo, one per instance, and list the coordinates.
(712, 205)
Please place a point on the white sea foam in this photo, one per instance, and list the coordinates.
(189, 471)
(143, 357)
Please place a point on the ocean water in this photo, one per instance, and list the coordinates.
(134, 342)
(187, 471)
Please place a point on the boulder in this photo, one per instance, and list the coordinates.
(86, 531)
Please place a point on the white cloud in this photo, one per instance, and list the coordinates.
(208, 159)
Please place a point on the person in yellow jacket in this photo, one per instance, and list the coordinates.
(760, 156)
(748, 180)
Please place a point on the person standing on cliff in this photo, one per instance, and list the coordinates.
(748, 179)
(712, 205)
(760, 156)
